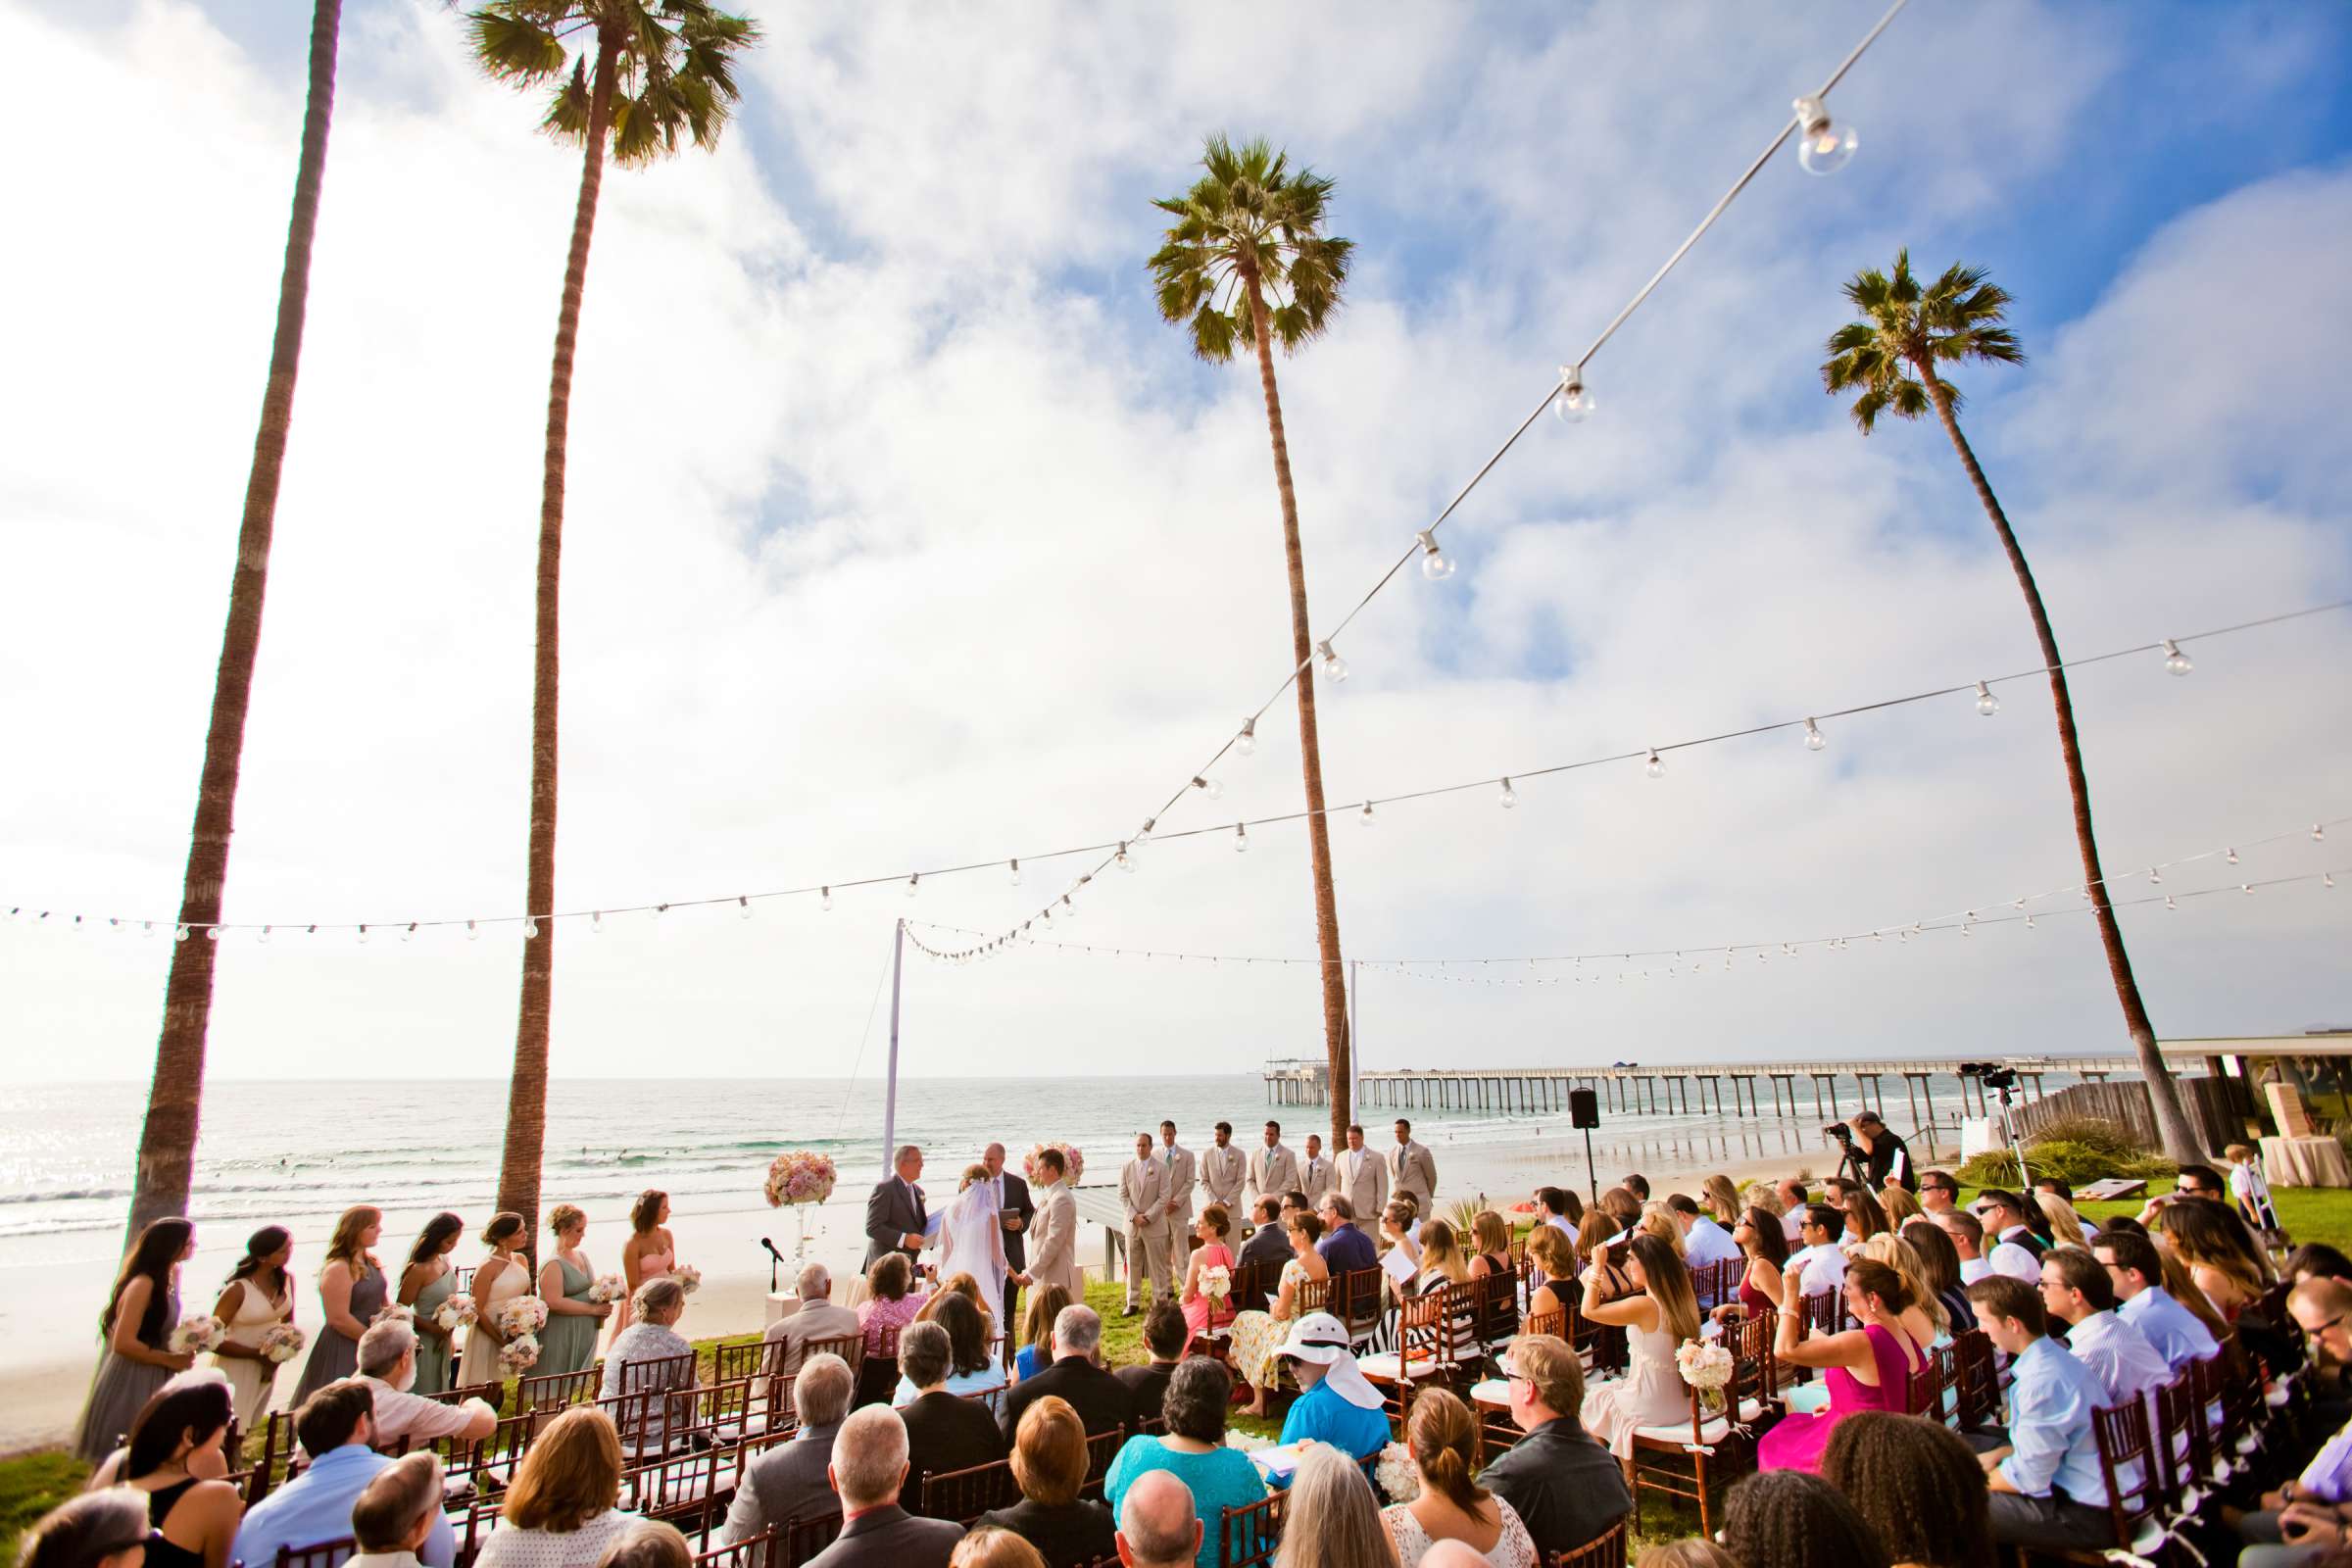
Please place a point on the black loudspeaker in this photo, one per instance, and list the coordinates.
(1584, 1109)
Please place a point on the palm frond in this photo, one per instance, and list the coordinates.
(1216, 335)
(566, 117)
(516, 48)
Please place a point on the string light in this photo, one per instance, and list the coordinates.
(1334, 668)
(265, 933)
(1245, 743)
(474, 932)
(1016, 877)
(1363, 818)
(362, 934)
(1435, 565)
(2176, 662)
(743, 906)
(1240, 839)
(1507, 799)
(2232, 857)
(410, 934)
(825, 899)
(1823, 146)
(530, 930)
(1206, 786)
(212, 933)
(1814, 739)
(1573, 402)
(1986, 704)
(596, 923)
(1123, 860)
(1655, 767)
(914, 884)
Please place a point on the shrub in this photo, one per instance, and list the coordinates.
(2073, 1161)
(2109, 1138)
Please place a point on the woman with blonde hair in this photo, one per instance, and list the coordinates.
(1333, 1520)
(1720, 1199)
(2182, 1286)
(1442, 1265)
(1592, 1247)
(1550, 1250)
(568, 1341)
(1926, 1315)
(993, 1546)
(1036, 1353)
(650, 1253)
(1693, 1551)
(2066, 1226)
(352, 1290)
(1900, 1207)
(1657, 1318)
(968, 1288)
(563, 1508)
(1491, 1233)
(1657, 1221)
(1441, 1436)
(499, 1278)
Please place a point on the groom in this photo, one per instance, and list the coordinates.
(1015, 1211)
(894, 1210)
(1055, 1261)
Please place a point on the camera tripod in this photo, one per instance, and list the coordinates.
(1850, 1166)
(2017, 1148)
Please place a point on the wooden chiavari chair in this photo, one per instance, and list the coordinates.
(1604, 1550)
(964, 1495)
(1246, 1536)
(1675, 1457)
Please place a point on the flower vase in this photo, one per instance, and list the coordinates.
(800, 1246)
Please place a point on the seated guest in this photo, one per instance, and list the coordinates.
(943, 1431)
(1194, 1451)
(787, 1481)
(2060, 1189)
(1049, 1463)
(396, 1512)
(2049, 1493)
(1795, 1519)
(1343, 1247)
(102, 1529)
(1689, 1553)
(1638, 1185)
(1441, 1436)
(789, 1338)
(649, 1544)
(334, 1427)
(1761, 1242)
(1202, 1311)
(1967, 1235)
(1938, 1193)
(1793, 1197)
(1400, 1226)
(869, 1462)
(1819, 1262)
(1555, 1255)
(1939, 1265)
(2136, 1273)
(2208, 1239)
(563, 1508)
(1165, 1335)
(1102, 1400)
(1868, 1367)
(1864, 1218)
(1657, 1316)
(1333, 1520)
(2077, 1291)
(388, 1366)
(175, 1438)
(1267, 1244)
(1158, 1527)
(1335, 1405)
(2019, 1233)
(2315, 1502)
(2317, 1260)
(1046, 1302)
(1564, 1487)
(643, 1357)
(1491, 1237)
(1703, 1241)
(891, 1305)
(987, 1546)
(1256, 1335)
(961, 1283)
(971, 1370)
(1901, 1207)
(1916, 1484)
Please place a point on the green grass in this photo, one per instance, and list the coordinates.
(30, 1485)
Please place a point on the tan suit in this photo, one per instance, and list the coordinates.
(1362, 1179)
(1144, 1191)
(1314, 1177)
(1180, 1164)
(1413, 1169)
(1221, 1173)
(1273, 1171)
(1054, 1242)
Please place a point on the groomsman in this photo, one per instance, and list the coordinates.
(1222, 1168)
(1273, 1169)
(1315, 1171)
(1362, 1178)
(1412, 1168)
(1179, 1160)
(1143, 1195)
(1015, 1213)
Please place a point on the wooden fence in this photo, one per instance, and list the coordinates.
(2213, 1105)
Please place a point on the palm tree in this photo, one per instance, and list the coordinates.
(168, 1142)
(1248, 231)
(646, 72)
(1891, 357)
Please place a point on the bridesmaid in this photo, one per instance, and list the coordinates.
(352, 1289)
(425, 1285)
(650, 1251)
(498, 1279)
(140, 1313)
(568, 1341)
(260, 1294)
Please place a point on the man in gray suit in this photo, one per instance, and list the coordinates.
(1144, 1196)
(1362, 1178)
(789, 1338)
(870, 1465)
(788, 1481)
(1412, 1169)
(1179, 1160)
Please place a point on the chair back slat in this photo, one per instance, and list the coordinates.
(731, 1363)
(323, 1555)
(1246, 1536)
(1604, 1550)
(1980, 1396)
(556, 1390)
(964, 1495)
(1101, 1449)
(2127, 1456)
(803, 1538)
(752, 1552)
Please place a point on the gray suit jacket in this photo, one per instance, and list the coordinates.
(787, 1482)
(891, 1537)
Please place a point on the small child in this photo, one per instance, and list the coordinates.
(2250, 1191)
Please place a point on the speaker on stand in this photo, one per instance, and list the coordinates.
(1584, 1111)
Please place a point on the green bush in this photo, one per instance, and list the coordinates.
(2071, 1159)
(2105, 1136)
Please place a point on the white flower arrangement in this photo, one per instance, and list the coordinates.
(520, 1318)
(1399, 1476)
(607, 1288)
(457, 1312)
(689, 1278)
(1703, 1365)
(519, 1353)
(1244, 1442)
(281, 1343)
(800, 1177)
(189, 1335)
(1216, 1281)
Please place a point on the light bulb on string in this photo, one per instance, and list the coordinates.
(1143, 835)
(1334, 668)
(1014, 876)
(212, 933)
(2247, 888)
(1244, 744)
(1986, 704)
(1435, 565)
(596, 923)
(1815, 740)
(2176, 662)
(474, 932)
(410, 935)
(1123, 860)
(660, 910)
(914, 884)
(1363, 818)
(2230, 856)
(1206, 786)
(1069, 911)
(264, 936)
(530, 929)
(1240, 839)
(2155, 877)
(1823, 146)
(2029, 922)
(2326, 879)
(1573, 403)
(743, 908)
(362, 934)
(825, 898)
(1655, 767)
(1507, 797)
(2318, 833)
(2169, 903)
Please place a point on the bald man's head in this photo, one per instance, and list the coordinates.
(1158, 1527)
(2321, 1309)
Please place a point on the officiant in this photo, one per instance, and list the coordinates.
(894, 1210)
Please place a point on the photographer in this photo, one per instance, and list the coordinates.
(1883, 1155)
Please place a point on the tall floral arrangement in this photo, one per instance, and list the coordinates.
(800, 1177)
(1073, 1162)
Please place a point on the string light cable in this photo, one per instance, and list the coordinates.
(1063, 905)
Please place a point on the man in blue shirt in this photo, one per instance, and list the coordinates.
(2141, 1300)
(2048, 1491)
(2315, 1503)
(1345, 1247)
(335, 1426)
(1338, 1407)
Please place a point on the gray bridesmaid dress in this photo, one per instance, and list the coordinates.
(433, 1355)
(121, 1389)
(333, 1356)
(568, 1341)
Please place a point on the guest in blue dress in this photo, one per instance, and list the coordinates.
(1194, 1451)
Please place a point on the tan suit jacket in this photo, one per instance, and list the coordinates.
(1363, 1177)
(1413, 1169)
(1054, 1243)
(1273, 1171)
(1221, 1173)
(1179, 1160)
(1143, 1190)
(1315, 1177)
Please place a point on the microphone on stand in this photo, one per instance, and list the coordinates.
(775, 1261)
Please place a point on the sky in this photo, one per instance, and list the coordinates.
(901, 534)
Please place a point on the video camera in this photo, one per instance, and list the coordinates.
(1840, 1131)
(1992, 1074)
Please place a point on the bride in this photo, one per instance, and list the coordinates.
(971, 1239)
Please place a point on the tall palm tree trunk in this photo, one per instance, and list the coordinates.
(2172, 1123)
(168, 1142)
(526, 1097)
(1336, 1042)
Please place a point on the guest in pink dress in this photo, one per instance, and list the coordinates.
(1869, 1368)
(1202, 1312)
(891, 1306)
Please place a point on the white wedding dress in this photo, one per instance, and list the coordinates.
(971, 1241)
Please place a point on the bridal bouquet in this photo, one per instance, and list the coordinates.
(200, 1333)
(457, 1312)
(607, 1288)
(689, 1278)
(1400, 1480)
(521, 1352)
(800, 1177)
(281, 1343)
(1073, 1162)
(521, 1319)
(1706, 1367)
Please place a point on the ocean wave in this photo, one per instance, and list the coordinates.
(67, 1196)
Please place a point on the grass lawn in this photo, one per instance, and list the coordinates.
(30, 1485)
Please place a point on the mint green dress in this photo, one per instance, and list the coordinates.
(432, 1354)
(568, 1341)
